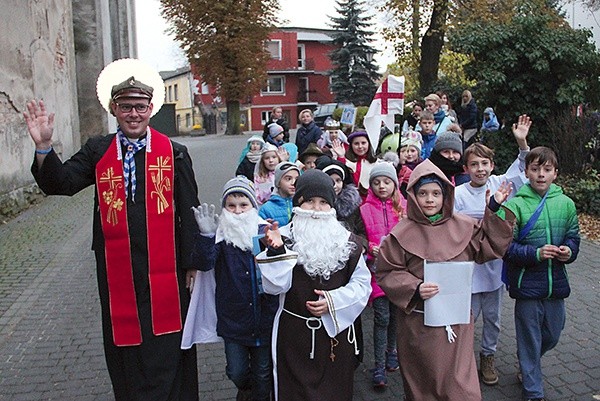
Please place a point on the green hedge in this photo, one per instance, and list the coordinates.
(584, 189)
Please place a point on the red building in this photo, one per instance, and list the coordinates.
(298, 77)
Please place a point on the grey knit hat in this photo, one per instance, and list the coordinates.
(314, 183)
(275, 129)
(240, 185)
(383, 169)
(283, 168)
(449, 140)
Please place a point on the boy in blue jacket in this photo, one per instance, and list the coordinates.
(546, 239)
(279, 206)
(244, 312)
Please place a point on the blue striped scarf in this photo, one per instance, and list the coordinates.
(129, 162)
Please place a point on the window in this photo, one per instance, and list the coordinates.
(170, 93)
(274, 85)
(274, 47)
(176, 92)
(188, 119)
(265, 116)
(204, 89)
(301, 57)
(178, 122)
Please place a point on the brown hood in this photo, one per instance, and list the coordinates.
(438, 241)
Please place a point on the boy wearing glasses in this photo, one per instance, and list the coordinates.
(143, 230)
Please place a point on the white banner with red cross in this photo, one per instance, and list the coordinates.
(388, 101)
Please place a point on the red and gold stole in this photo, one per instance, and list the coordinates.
(160, 223)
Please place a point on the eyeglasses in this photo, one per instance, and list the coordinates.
(127, 108)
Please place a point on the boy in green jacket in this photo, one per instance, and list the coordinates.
(546, 239)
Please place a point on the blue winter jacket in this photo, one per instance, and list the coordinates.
(306, 134)
(244, 314)
(530, 278)
(278, 209)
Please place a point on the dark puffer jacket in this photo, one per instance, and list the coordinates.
(306, 134)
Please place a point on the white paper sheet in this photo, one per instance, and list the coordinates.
(452, 305)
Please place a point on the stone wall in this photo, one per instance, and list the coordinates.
(54, 50)
(37, 60)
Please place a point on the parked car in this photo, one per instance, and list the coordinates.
(326, 110)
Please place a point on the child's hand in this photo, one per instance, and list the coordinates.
(273, 236)
(375, 251)
(337, 148)
(206, 218)
(318, 308)
(283, 154)
(190, 276)
(564, 253)
(503, 192)
(520, 130)
(428, 290)
(548, 251)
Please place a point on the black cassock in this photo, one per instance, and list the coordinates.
(157, 369)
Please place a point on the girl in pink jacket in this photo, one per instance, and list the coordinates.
(381, 212)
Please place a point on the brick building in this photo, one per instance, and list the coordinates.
(298, 78)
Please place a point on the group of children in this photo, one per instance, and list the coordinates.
(291, 282)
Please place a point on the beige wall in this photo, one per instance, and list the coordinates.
(183, 102)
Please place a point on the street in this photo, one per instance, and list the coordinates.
(50, 331)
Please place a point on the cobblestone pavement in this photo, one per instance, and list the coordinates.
(50, 333)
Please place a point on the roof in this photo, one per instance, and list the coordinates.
(311, 34)
(174, 73)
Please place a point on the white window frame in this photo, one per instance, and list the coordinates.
(267, 89)
(307, 94)
(302, 56)
(265, 116)
(278, 42)
(204, 89)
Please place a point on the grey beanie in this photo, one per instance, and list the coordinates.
(449, 140)
(314, 183)
(275, 129)
(281, 169)
(241, 185)
(384, 169)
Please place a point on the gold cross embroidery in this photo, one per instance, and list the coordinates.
(110, 197)
(161, 184)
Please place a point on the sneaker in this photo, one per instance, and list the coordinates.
(379, 377)
(488, 371)
(391, 361)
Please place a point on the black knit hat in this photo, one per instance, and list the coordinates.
(332, 166)
(314, 183)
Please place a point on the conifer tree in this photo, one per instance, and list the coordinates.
(354, 74)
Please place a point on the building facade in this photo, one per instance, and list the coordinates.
(298, 79)
(181, 89)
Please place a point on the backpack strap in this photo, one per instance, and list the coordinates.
(523, 233)
(533, 219)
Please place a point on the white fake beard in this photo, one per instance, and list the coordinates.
(321, 242)
(239, 229)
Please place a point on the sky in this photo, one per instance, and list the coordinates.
(161, 51)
